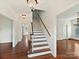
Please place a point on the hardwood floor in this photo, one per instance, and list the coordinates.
(68, 49)
(20, 51)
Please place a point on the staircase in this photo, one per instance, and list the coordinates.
(40, 45)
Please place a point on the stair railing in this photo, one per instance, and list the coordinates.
(44, 24)
(32, 27)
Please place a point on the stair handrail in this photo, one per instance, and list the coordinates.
(44, 25)
(32, 27)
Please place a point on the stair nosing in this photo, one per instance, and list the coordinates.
(38, 37)
(40, 48)
(40, 43)
(39, 54)
(39, 51)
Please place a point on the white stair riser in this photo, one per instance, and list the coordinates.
(38, 36)
(39, 48)
(38, 33)
(40, 43)
(38, 39)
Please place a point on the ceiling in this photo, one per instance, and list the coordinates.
(14, 8)
(70, 14)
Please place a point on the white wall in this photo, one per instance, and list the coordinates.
(60, 29)
(63, 29)
(73, 29)
(17, 32)
(5, 29)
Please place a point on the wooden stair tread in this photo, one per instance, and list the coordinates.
(38, 37)
(40, 45)
(40, 41)
(39, 51)
(47, 56)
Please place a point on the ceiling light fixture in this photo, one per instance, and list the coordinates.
(23, 15)
(32, 3)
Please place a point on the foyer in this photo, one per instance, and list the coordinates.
(39, 29)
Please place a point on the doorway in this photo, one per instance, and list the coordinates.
(68, 33)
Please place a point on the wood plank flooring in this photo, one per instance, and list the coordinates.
(68, 49)
(20, 51)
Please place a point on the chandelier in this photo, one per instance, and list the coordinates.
(32, 3)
